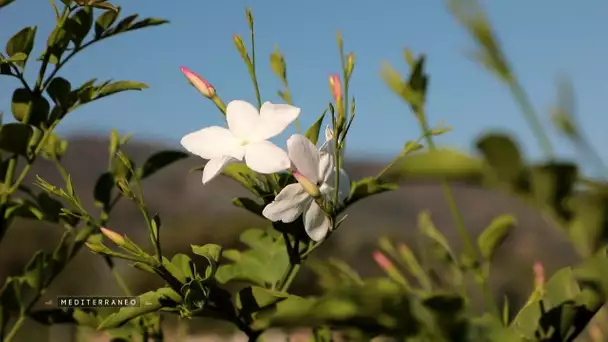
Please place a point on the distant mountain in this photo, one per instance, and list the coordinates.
(193, 214)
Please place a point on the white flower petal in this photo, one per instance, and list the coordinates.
(243, 119)
(274, 119)
(316, 222)
(304, 156)
(327, 189)
(266, 157)
(215, 166)
(212, 142)
(289, 204)
(326, 165)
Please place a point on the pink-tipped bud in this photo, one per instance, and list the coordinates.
(307, 185)
(336, 87)
(199, 83)
(113, 236)
(539, 274)
(383, 261)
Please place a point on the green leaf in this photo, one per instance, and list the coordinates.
(253, 299)
(249, 204)
(148, 22)
(4, 3)
(263, 263)
(21, 42)
(79, 25)
(552, 184)
(149, 302)
(367, 187)
(334, 273)
(312, 133)
(502, 155)
(104, 21)
(160, 160)
(18, 57)
(29, 108)
(17, 138)
(119, 86)
(243, 175)
(59, 90)
(33, 273)
(434, 164)
(427, 227)
(277, 64)
(102, 192)
(185, 265)
(495, 234)
(57, 43)
(212, 253)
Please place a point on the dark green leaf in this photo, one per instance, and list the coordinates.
(150, 302)
(148, 22)
(494, 235)
(79, 25)
(123, 24)
(22, 41)
(17, 137)
(249, 204)
(368, 187)
(104, 21)
(4, 3)
(502, 155)
(119, 86)
(22, 104)
(313, 132)
(161, 160)
(552, 184)
(59, 90)
(103, 189)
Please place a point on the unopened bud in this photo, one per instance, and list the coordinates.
(240, 46)
(350, 64)
(335, 87)
(199, 83)
(383, 261)
(113, 236)
(539, 274)
(96, 247)
(307, 185)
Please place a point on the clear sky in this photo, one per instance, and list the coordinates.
(543, 39)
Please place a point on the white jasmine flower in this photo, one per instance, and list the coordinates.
(245, 139)
(315, 172)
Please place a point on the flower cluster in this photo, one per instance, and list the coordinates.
(246, 140)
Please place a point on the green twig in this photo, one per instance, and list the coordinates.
(533, 119)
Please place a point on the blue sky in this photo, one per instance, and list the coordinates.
(543, 39)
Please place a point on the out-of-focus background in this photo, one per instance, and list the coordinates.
(543, 39)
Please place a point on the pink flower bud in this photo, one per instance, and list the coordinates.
(307, 185)
(539, 274)
(113, 236)
(199, 83)
(383, 261)
(335, 86)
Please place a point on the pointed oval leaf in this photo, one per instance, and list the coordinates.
(502, 155)
(102, 193)
(491, 238)
(22, 41)
(59, 90)
(249, 204)
(79, 25)
(120, 86)
(312, 133)
(160, 160)
(104, 21)
(16, 138)
(149, 302)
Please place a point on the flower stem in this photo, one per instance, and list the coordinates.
(456, 214)
(13, 332)
(531, 116)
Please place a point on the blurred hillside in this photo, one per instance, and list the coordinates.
(193, 214)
